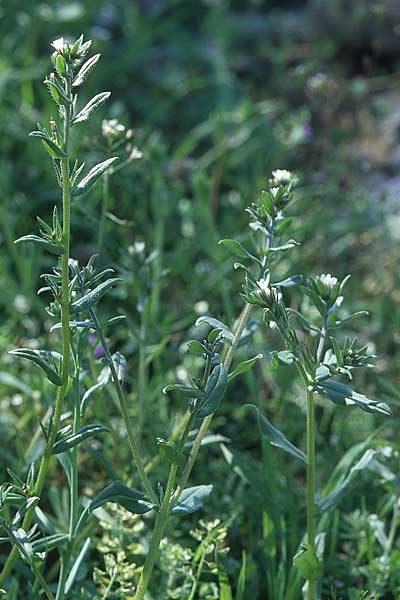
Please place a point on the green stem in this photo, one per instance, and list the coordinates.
(125, 412)
(104, 207)
(159, 528)
(61, 392)
(74, 498)
(141, 377)
(162, 516)
(311, 594)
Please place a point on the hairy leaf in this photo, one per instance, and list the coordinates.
(86, 184)
(50, 362)
(92, 298)
(80, 436)
(343, 395)
(191, 499)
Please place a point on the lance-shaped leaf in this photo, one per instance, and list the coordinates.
(52, 148)
(217, 324)
(343, 395)
(86, 184)
(187, 391)
(76, 566)
(237, 248)
(50, 542)
(50, 362)
(91, 107)
(90, 299)
(244, 366)
(88, 431)
(85, 70)
(275, 436)
(119, 493)
(214, 391)
(289, 282)
(290, 244)
(331, 500)
(42, 243)
(191, 499)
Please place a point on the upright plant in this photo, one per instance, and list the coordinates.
(319, 357)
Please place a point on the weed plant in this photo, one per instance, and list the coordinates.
(310, 345)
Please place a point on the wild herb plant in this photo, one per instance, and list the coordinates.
(310, 346)
(75, 293)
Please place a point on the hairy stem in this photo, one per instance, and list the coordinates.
(61, 392)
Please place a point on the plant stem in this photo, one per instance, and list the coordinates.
(311, 594)
(241, 324)
(74, 499)
(61, 392)
(162, 516)
(125, 412)
(158, 532)
(104, 207)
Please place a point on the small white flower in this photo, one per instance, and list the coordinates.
(327, 280)
(201, 307)
(281, 176)
(111, 127)
(135, 154)
(58, 44)
(263, 284)
(274, 191)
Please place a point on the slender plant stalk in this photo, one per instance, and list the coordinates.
(104, 208)
(312, 585)
(125, 412)
(169, 497)
(61, 392)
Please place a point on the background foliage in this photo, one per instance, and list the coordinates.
(218, 94)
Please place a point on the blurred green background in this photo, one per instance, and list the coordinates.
(218, 94)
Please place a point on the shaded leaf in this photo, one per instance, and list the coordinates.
(237, 248)
(244, 366)
(214, 391)
(308, 563)
(343, 395)
(216, 324)
(50, 362)
(275, 436)
(91, 108)
(42, 243)
(80, 436)
(119, 493)
(191, 499)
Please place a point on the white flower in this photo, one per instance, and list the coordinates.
(201, 307)
(281, 176)
(263, 284)
(111, 127)
(58, 44)
(135, 153)
(327, 280)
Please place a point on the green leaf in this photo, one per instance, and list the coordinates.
(290, 244)
(289, 281)
(285, 357)
(168, 451)
(51, 147)
(187, 391)
(119, 493)
(237, 248)
(275, 436)
(85, 70)
(50, 362)
(191, 499)
(75, 567)
(42, 243)
(244, 366)
(196, 347)
(216, 324)
(86, 184)
(225, 590)
(331, 500)
(91, 108)
(46, 544)
(214, 391)
(343, 395)
(241, 582)
(80, 436)
(308, 563)
(92, 298)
